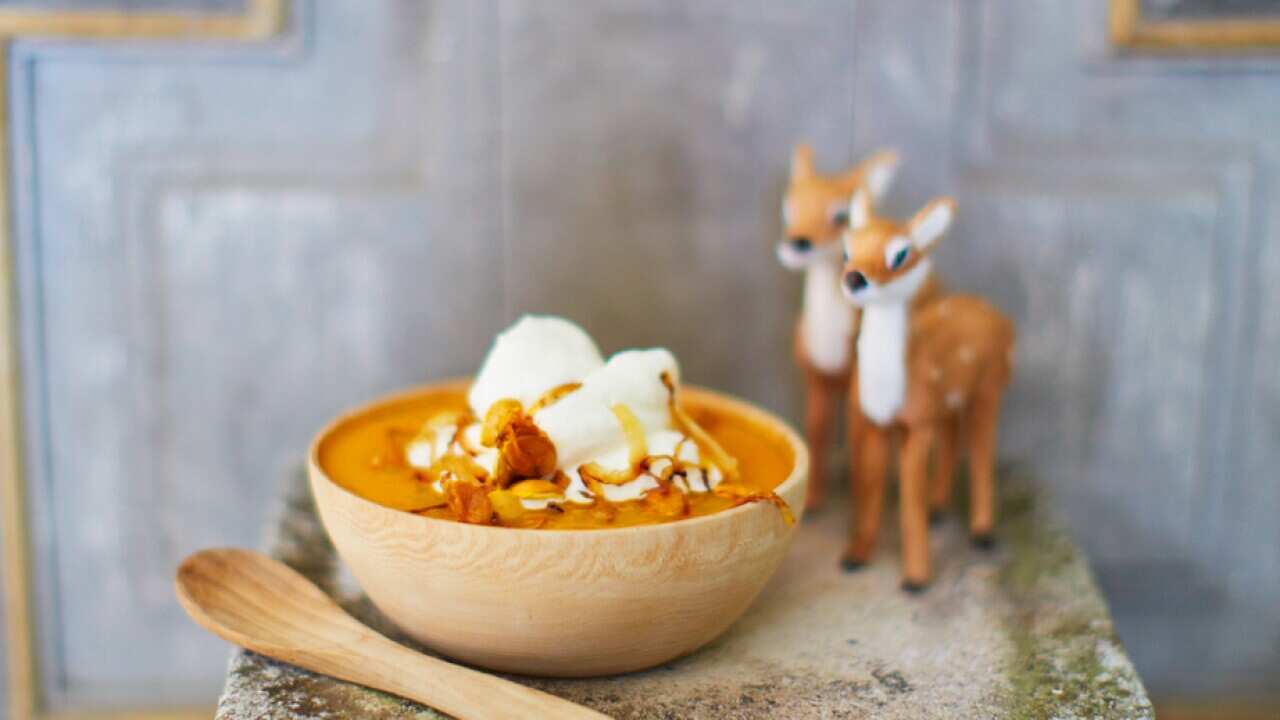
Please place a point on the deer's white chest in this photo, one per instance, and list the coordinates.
(882, 361)
(827, 318)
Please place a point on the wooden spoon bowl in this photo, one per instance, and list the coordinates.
(569, 603)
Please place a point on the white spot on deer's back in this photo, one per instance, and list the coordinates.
(954, 399)
(935, 373)
(966, 354)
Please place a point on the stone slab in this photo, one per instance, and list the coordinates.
(1018, 632)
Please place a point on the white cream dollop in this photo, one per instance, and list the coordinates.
(540, 353)
(583, 425)
(534, 355)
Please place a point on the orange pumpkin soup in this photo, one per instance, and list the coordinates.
(365, 454)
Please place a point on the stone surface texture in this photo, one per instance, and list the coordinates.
(1018, 632)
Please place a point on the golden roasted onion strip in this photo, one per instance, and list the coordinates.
(601, 509)
(742, 495)
(535, 490)
(633, 431)
(667, 502)
(710, 449)
(596, 473)
(457, 467)
(553, 395)
(498, 417)
(506, 505)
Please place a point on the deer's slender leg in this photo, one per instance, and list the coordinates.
(856, 426)
(867, 494)
(943, 472)
(817, 426)
(913, 505)
(983, 418)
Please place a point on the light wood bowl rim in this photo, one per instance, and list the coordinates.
(799, 470)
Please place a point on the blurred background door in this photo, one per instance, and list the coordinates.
(225, 230)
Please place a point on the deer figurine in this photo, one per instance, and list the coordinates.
(922, 371)
(814, 214)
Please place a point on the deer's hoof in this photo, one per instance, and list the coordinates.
(911, 587)
(851, 565)
(983, 541)
(936, 517)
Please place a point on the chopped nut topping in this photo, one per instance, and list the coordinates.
(524, 451)
(469, 501)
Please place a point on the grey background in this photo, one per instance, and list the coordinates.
(220, 247)
(186, 6)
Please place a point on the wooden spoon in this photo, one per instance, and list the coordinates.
(267, 607)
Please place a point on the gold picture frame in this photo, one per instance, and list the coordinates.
(261, 20)
(1129, 30)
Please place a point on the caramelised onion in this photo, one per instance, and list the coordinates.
(633, 431)
(742, 495)
(449, 468)
(668, 502)
(506, 505)
(553, 395)
(594, 474)
(535, 490)
(708, 446)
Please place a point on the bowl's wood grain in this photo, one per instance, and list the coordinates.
(564, 602)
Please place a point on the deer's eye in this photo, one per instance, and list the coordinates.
(896, 254)
(840, 217)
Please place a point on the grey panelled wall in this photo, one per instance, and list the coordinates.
(219, 247)
(224, 246)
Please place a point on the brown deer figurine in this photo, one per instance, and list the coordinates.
(814, 214)
(922, 371)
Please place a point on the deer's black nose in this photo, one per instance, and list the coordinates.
(801, 244)
(855, 281)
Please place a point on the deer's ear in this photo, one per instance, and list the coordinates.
(931, 222)
(802, 162)
(876, 173)
(859, 209)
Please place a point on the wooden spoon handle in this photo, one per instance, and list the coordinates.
(261, 604)
(377, 662)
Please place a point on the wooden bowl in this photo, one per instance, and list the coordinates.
(567, 603)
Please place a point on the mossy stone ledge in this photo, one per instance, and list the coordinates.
(1019, 631)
